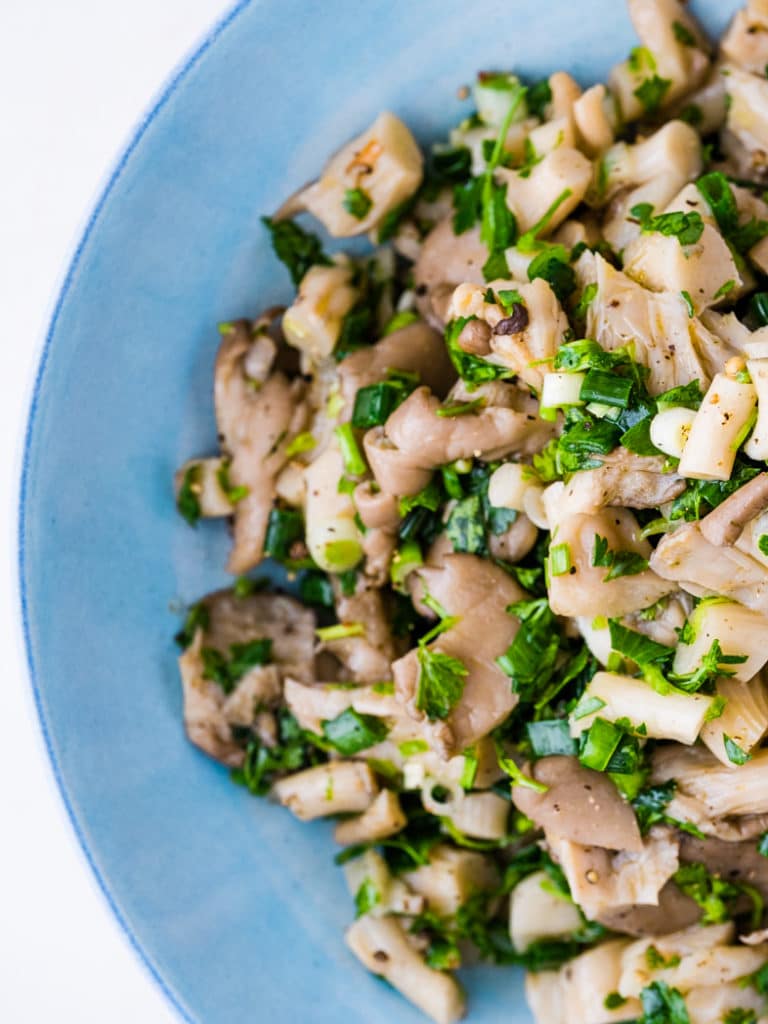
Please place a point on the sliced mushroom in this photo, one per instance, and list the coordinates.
(254, 423)
(366, 658)
(210, 715)
(675, 347)
(623, 479)
(579, 805)
(416, 348)
(731, 861)
(584, 589)
(674, 912)
(724, 525)
(477, 592)
(446, 259)
(516, 542)
(702, 568)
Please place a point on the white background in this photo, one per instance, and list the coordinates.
(75, 76)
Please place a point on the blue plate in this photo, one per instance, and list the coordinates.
(236, 908)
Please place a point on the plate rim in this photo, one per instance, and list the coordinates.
(161, 97)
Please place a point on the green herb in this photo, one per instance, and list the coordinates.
(530, 659)
(538, 96)
(340, 631)
(716, 190)
(758, 307)
(285, 526)
(688, 302)
(430, 497)
(585, 354)
(640, 649)
(450, 164)
(315, 588)
(687, 228)
(740, 1016)
(657, 962)
(452, 409)
(228, 671)
(234, 493)
(297, 249)
(467, 205)
(196, 618)
(465, 527)
(762, 844)
(550, 736)
(528, 242)
(586, 300)
(683, 34)
(357, 202)
(352, 732)
(613, 1001)
(441, 682)
(736, 755)
(599, 743)
(618, 563)
(663, 1005)
(724, 289)
(689, 396)
(375, 403)
(641, 59)
(188, 502)
(498, 228)
(713, 664)
(700, 496)
(366, 898)
(303, 442)
(651, 92)
(560, 559)
(712, 894)
(404, 318)
(261, 765)
(354, 461)
(587, 706)
(244, 586)
(606, 388)
(408, 748)
(553, 267)
(472, 369)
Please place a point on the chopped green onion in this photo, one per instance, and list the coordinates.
(352, 732)
(188, 501)
(375, 403)
(340, 631)
(354, 462)
(285, 526)
(407, 558)
(404, 318)
(550, 736)
(607, 388)
(234, 493)
(599, 744)
(560, 559)
(408, 748)
(301, 443)
(453, 409)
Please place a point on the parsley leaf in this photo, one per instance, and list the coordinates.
(618, 563)
(261, 765)
(553, 267)
(687, 228)
(530, 659)
(712, 894)
(465, 528)
(357, 202)
(351, 732)
(296, 248)
(736, 755)
(188, 502)
(663, 1005)
(366, 897)
(441, 682)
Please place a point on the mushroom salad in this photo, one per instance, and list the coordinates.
(513, 462)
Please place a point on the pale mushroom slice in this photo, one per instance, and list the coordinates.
(255, 422)
(370, 176)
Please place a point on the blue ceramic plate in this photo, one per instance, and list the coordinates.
(236, 908)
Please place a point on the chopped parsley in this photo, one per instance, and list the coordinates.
(188, 501)
(618, 563)
(366, 898)
(262, 765)
(351, 732)
(663, 1005)
(736, 755)
(441, 682)
(357, 202)
(687, 228)
(228, 671)
(233, 492)
(651, 92)
(296, 248)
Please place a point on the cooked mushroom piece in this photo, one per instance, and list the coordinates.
(477, 592)
(724, 524)
(589, 589)
(254, 425)
(366, 657)
(210, 713)
(446, 259)
(579, 805)
(416, 348)
(338, 787)
(675, 347)
(381, 168)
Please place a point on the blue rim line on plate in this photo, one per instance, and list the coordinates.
(166, 92)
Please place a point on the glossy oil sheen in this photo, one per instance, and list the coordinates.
(236, 907)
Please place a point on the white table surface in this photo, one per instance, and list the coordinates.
(75, 76)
